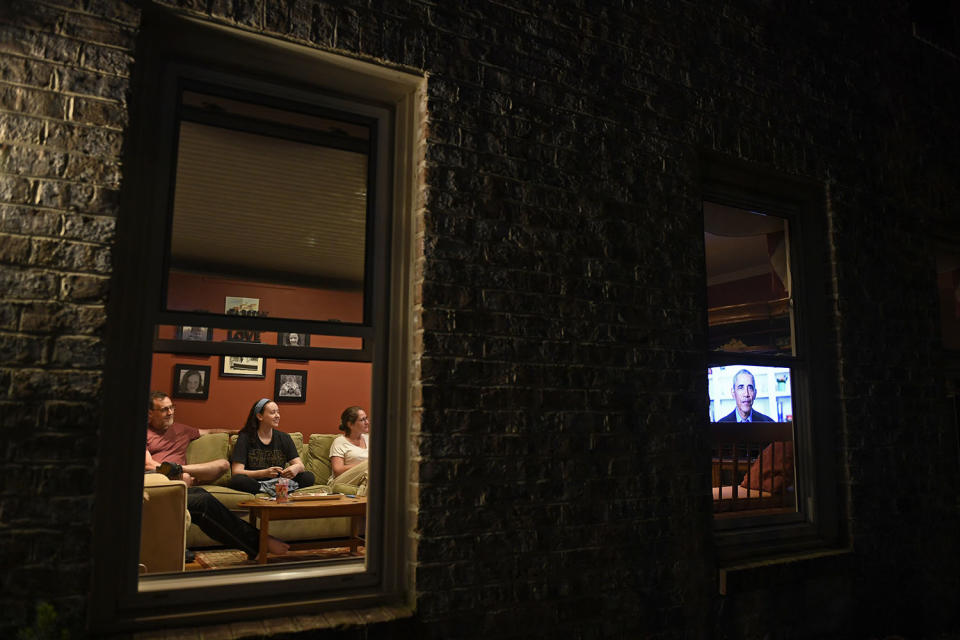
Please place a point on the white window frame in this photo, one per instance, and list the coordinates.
(119, 599)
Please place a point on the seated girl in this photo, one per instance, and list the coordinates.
(349, 452)
(263, 452)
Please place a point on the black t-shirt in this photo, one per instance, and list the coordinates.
(255, 455)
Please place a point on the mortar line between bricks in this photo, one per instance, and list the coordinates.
(75, 123)
(90, 243)
(106, 45)
(68, 370)
(65, 65)
(61, 212)
(67, 9)
(42, 301)
(58, 299)
(71, 94)
(34, 207)
(60, 272)
(60, 180)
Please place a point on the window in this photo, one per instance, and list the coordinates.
(266, 242)
(765, 369)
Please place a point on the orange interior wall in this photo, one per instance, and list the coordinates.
(331, 386)
(200, 292)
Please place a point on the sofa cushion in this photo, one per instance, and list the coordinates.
(319, 455)
(298, 443)
(777, 469)
(211, 447)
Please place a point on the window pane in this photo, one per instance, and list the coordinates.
(217, 392)
(270, 221)
(753, 465)
(256, 213)
(748, 281)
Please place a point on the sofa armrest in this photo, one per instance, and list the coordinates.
(163, 524)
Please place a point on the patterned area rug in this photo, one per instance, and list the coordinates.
(228, 558)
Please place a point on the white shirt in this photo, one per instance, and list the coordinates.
(350, 452)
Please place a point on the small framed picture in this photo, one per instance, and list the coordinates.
(191, 381)
(194, 333)
(242, 366)
(240, 306)
(290, 385)
(293, 339)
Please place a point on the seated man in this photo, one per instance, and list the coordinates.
(167, 443)
(221, 524)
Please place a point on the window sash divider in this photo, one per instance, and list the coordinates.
(264, 323)
(262, 350)
(726, 359)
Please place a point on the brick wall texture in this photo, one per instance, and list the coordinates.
(562, 458)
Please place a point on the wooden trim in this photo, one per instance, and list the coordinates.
(749, 311)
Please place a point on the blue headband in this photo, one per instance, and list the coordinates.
(258, 408)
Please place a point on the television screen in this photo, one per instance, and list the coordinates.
(761, 392)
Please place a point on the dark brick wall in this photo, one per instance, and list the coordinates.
(64, 77)
(563, 460)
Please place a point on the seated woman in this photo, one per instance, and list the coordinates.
(264, 452)
(349, 452)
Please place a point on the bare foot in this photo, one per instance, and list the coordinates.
(276, 546)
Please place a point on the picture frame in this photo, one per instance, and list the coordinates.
(191, 381)
(293, 340)
(243, 367)
(288, 339)
(195, 334)
(241, 306)
(290, 385)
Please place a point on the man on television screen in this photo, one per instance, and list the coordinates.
(744, 392)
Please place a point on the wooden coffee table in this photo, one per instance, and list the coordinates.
(266, 510)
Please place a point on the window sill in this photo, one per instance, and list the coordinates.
(342, 619)
(735, 577)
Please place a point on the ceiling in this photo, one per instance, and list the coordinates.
(736, 242)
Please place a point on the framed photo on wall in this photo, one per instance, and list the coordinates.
(194, 333)
(290, 385)
(240, 306)
(293, 339)
(191, 381)
(243, 366)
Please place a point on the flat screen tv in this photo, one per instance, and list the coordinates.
(762, 392)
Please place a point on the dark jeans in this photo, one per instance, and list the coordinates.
(250, 485)
(221, 524)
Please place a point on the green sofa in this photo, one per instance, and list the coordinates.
(315, 456)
